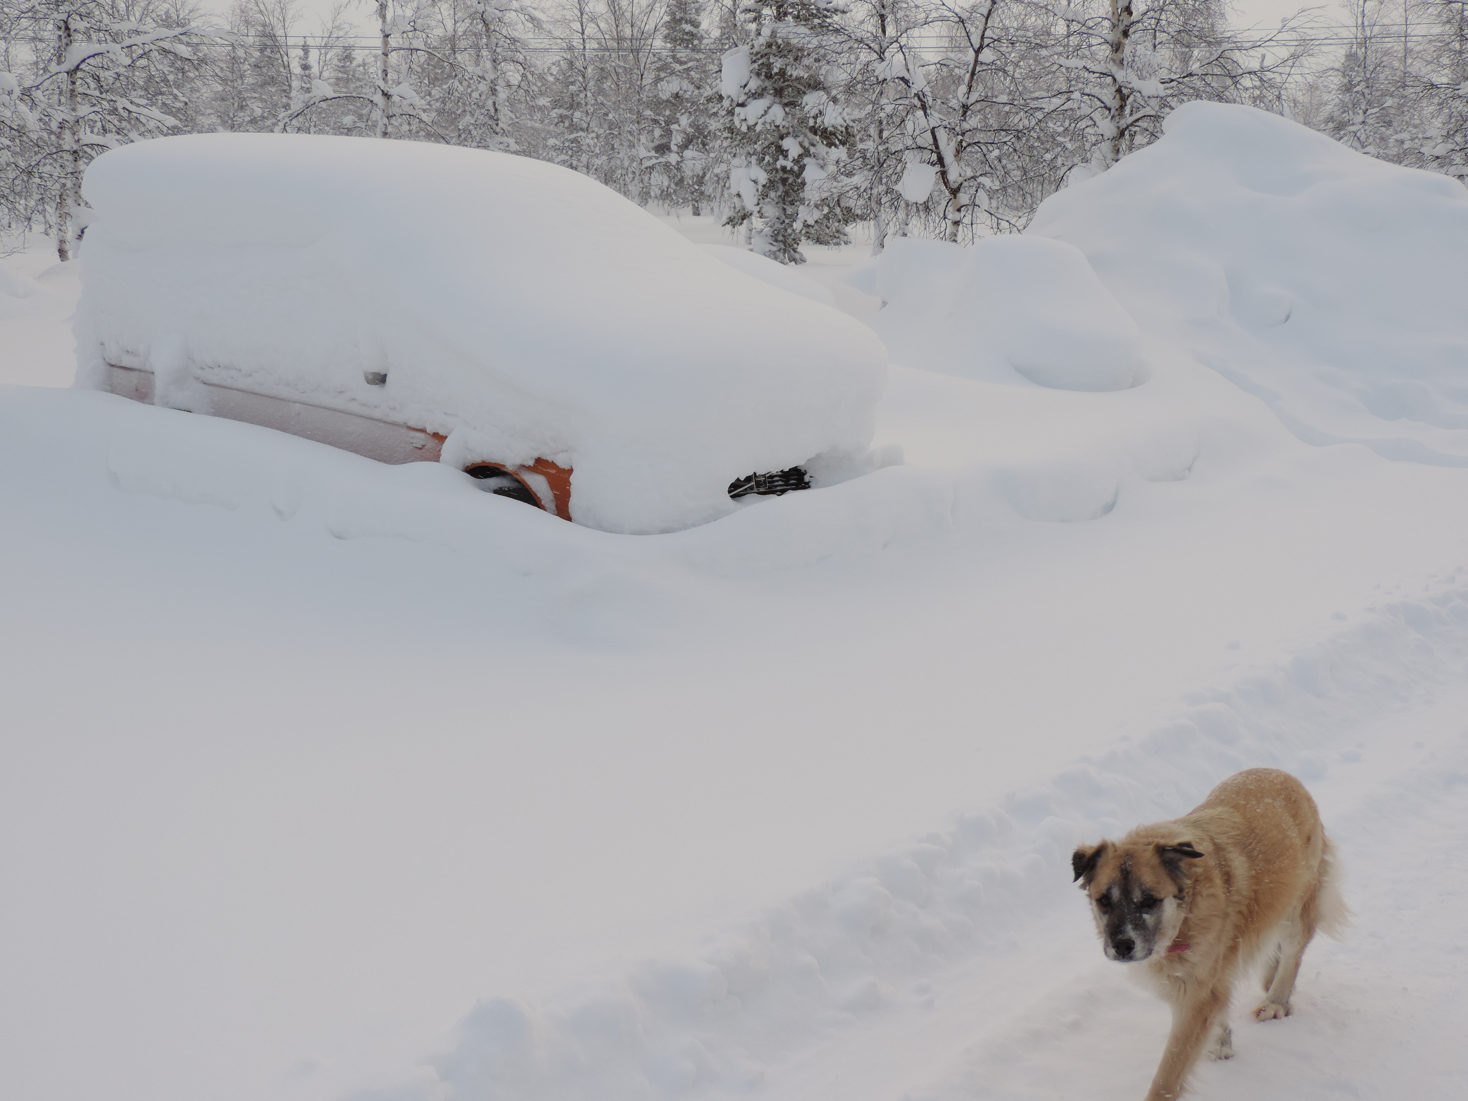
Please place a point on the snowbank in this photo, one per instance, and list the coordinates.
(917, 181)
(1327, 283)
(37, 299)
(14, 288)
(547, 316)
(1006, 305)
(771, 272)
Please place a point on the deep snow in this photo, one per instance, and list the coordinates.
(326, 779)
(1009, 309)
(1327, 284)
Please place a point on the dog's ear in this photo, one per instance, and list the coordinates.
(1172, 856)
(1083, 861)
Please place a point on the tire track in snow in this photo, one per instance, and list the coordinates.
(913, 955)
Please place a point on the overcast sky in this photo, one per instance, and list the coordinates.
(1268, 13)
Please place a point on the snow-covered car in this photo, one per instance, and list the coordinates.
(422, 302)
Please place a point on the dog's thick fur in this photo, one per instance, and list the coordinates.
(1245, 876)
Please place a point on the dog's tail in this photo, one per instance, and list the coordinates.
(1332, 915)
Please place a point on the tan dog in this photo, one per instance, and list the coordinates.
(1245, 874)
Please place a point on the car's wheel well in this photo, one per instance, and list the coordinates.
(507, 482)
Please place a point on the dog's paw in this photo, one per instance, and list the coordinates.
(1269, 1011)
(1222, 1044)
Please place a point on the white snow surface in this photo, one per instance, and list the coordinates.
(734, 71)
(1327, 284)
(324, 780)
(538, 315)
(917, 181)
(1008, 309)
(772, 272)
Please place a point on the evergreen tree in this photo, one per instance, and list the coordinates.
(787, 131)
(684, 138)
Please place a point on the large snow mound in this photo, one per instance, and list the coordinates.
(544, 317)
(1006, 306)
(1329, 284)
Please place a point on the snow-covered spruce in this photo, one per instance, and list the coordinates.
(787, 132)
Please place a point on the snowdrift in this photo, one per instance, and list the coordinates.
(769, 271)
(1327, 283)
(545, 317)
(1006, 307)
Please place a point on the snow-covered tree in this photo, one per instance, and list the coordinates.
(957, 114)
(875, 106)
(437, 71)
(596, 100)
(1364, 110)
(1130, 62)
(788, 132)
(685, 109)
(91, 75)
(493, 63)
(1442, 77)
(948, 118)
(1400, 88)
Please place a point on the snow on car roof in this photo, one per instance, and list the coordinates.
(520, 309)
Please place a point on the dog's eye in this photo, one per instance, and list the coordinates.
(1104, 903)
(1147, 902)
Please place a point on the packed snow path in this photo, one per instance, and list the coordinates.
(1039, 1014)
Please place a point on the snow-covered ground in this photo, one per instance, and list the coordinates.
(323, 779)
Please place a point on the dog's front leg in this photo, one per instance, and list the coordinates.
(1193, 1022)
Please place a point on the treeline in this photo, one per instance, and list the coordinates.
(791, 118)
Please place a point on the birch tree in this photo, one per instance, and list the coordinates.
(960, 104)
(1443, 75)
(1132, 61)
(1400, 89)
(495, 67)
(596, 101)
(450, 49)
(878, 105)
(75, 95)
